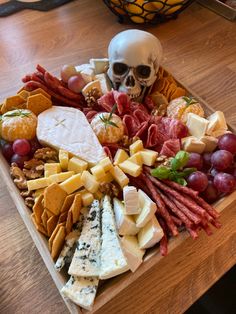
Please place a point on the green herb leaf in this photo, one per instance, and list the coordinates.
(188, 171)
(107, 121)
(181, 181)
(161, 172)
(189, 100)
(180, 160)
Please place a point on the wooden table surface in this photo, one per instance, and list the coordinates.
(200, 50)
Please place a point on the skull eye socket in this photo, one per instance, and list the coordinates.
(120, 68)
(143, 71)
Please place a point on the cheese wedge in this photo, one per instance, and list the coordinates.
(148, 157)
(106, 164)
(37, 184)
(130, 168)
(120, 156)
(210, 143)
(89, 182)
(192, 144)
(150, 234)
(67, 128)
(86, 260)
(60, 177)
(119, 176)
(131, 200)
(148, 209)
(63, 159)
(99, 65)
(136, 147)
(136, 158)
(216, 122)
(51, 168)
(98, 172)
(197, 125)
(132, 252)
(113, 261)
(125, 223)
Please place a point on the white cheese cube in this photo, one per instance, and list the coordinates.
(119, 176)
(150, 234)
(148, 209)
(125, 223)
(113, 261)
(89, 182)
(197, 126)
(120, 156)
(133, 254)
(77, 165)
(104, 82)
(216, 122)
(94, 84)
(99, 65)
(193, 145)
(86, 260)
(131, 200)
(130, 168)
(81, 291)
(210, 142)
(136, 147)
(149, 157)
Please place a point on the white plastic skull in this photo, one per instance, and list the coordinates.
(134, 59)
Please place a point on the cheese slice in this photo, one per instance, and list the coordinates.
(113, 261)
(131, 200)
(99, 65)
(150, 234)
(104, 82)
(148, 209)
(86, 260)
(197, 126)
(125, 223)
(67, 128)
(216, 122)
(210, 142)
(133, 254)
(81, 291)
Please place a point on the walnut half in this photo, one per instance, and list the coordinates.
(18, 177)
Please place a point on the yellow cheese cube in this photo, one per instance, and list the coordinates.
(136, 147)
(60, 177)
(149, 157)
(77, 165)
(87, 198)
(52, 168)
(120, 156)
(136, 158)
(98, 172)
(89, 182)
(106, 163)
(37, 184)
(130, 168)
(63, 159)
(119, 176)
(107, 178)
(72, 184)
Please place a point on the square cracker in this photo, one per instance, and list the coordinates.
(40, 226)
(51, 224)
(38, 103)
(38, 209)
(24, 94)
(40, 91)
(63, 217)
(53, 235)
(58, 242)
(69, 222)
(67, 203)
(54, 197)
(76, 207)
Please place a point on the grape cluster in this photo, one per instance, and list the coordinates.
(216, 172)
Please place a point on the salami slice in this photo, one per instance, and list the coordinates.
(141, 115)
(132, 125)
(170, 148)
(122, 101)
(106, 102)
(142, 131)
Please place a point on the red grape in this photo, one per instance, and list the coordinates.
(234, 173)
(221, 159)
(7, 151)
(198, 181)
(207, 160)
(19, 160)
(214, 172)
(228, 142)
(224, 182)
(76, 83)
(21, 147)
(34, 145)
(67, 71)
(210, 194)
(195, 161)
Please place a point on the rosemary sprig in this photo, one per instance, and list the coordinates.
(108, 121)
(189, 100)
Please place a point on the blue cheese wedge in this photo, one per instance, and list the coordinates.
(113, 261)
(132, 251)
(150, 234)
(148, 209)
(81, 291)
(86, 260)
(68, 249)
(67, 128)
(125, 223)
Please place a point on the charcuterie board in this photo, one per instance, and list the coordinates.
(108, 289)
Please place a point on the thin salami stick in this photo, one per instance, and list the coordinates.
(67, 93)
(216, 224)
(206, 228)
(186, 201)
(181, 188)
(206, 215)
(175, 209)
(161, 208)
(37, 78)
(177, 221)
(50, 81)
(211, 210)
(193, 217)
(164, 239)
(40, 68)
(26, 78)
(193, 233)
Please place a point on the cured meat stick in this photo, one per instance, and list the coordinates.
(40, 68)
(193, 233)
(193, 217)
(175, 209)
(161, 208)
(176, 220)
(206, 215)
(164, 239)
(181, 188)
(187, 202)
(211, 210)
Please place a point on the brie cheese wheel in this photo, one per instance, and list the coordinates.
(86, 260)
(133, 254)
(148, 209)
(81, 291)
(125, 224)
(113, 261)
(197, 126)
(131, 200)
(67, 128)
(150, 234)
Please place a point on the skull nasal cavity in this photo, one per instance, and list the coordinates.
(130, 81)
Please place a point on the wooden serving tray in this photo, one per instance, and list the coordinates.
(157, 276)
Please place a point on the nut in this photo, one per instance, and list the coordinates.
(109, 189)
(92, 96)
(29, 202)
(33, 168)
(45, 154)
(26, 193)
(18, 177)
